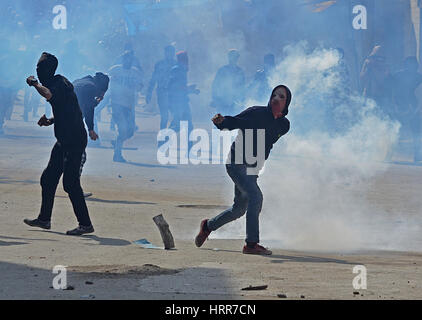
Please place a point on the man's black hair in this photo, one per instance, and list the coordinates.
(102, 81)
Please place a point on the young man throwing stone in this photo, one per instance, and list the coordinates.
(256, 122)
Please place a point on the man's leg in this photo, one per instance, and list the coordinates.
(164, 110)
(3, 99)
(11, 104)
(72, 186)
(26, 103)
(248, 197)
(175, 122)
(49, 181)
(238, 209)
(118, 119)
(130, 124)
(253, 211)
(235, 212)
(83, 160)
(416, 137)
(2, 116)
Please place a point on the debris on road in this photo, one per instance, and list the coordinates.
(256, 287)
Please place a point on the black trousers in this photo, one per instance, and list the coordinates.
(67, 163)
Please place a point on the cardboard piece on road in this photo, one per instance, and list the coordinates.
(144, 243)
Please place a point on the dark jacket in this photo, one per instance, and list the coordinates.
(160, 76)
(86, 91)
(255, 118)
(178, 88)
(69, 128)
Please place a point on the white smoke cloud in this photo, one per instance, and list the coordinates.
(316, 182)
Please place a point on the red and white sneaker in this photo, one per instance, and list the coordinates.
(257, 249)
(202, 235)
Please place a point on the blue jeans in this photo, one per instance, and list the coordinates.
(248, 199)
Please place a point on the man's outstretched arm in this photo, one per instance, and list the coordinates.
(244, 120)
(43, 91)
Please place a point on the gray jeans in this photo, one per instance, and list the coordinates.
(248, 199)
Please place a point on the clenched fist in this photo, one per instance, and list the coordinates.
(218, 119)
(31, 81)
(44, 121)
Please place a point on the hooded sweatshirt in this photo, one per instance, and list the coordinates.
(255, 118)
(87, 89)
(69, 128)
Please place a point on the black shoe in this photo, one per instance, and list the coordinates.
(38, 223)
(80, 230)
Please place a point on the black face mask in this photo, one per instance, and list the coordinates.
(46, 68)
(44, 76)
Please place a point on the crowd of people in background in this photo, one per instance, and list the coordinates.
(393, 90)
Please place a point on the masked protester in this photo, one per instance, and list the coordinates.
(244, 172)
(90, 92)
(66, 156)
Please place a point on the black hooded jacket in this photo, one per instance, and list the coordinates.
(86, 90)
(258, 117)
(69, 128)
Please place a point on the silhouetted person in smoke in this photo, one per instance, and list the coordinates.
(66, 156)
(343, 70)
(259, 88)
(135, 63)
(407, 108)
(178, 92)
(246, 160)
(90, 92)
(376, 78)
(9, 82)
(125, 82)
(339, 115)
(228, 87)
(160, 78)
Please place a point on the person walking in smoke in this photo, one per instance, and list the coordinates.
(9, 82)
(338, 115)
(125, 82)
(160, 78)
(407, 110)
(376, 79)
(244, 173)
(135, 63)
(66, 156)
(90, 92)
(178, 92)
(229, 85)
(259, 87)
